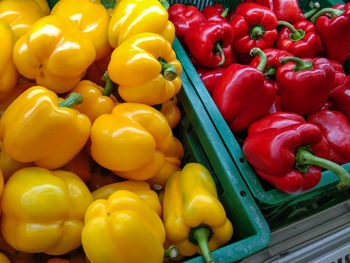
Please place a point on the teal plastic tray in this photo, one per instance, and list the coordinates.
(278, 207)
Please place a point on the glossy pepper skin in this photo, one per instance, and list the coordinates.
(242, 94)
(210, 78)
(43, 211)
(335, 128)
(215, 12)
(32, 128)
(142, 189)
(340, 97)
(123, 229)
(184, 17)
(299, 39)
(131, 140)
(54, 53)
(90, 18)
(21, 14)
(146, 69)
(133, 17)
(254, 26)
(210, 43)
(334, 31)
(171, 112)
(186, 192)
(340, 76)
(286, 157)
(8, 71)
(304, 85)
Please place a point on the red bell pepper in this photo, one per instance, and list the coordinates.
(242, 94)
(288, 159)
(340, 97)
(304, 84)
(286, 10)
(210, 43)
(301, 39)
(210, 77)
(183, 17)
(333, 27)
(276, 106)
(215, 12)
(335, 128)
(340, 76)
(254, 26)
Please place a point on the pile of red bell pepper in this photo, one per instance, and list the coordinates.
(276, 75)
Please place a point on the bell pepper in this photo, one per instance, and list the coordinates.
(57, 60)
(171, 112)
(131, 17)
(4, 259)
(183, 17)
(254, 26)
(195, 221)
(333, 27)
(14, 255)
(8, 71)
(335, 128)
(21, 14)
(142, 189)
(123, 229)
(97, 70)
(210, 43)
(273, 56)
(43, 211)
(173, 155)
(286, 10)
(340, 76)
(91, 18)
(215, 12)
(80, 165)
(288, 159)
(210, 78)
(299, 39)
(97, 101)
(131, 141)
(146, 69)
(304, 84)
(276, 106)
(242, 94)
(38, 128)
(340, 97)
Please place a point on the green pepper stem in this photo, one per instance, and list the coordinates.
(295, 34)
(201, 235)
(263, 59)
(108, 3)
(108, 86)
(171, 252)
(256, 31)
(168, 70)
(218, 48)
(333, 12)
(304, 157)
(314, 9)
(165, 4)
(300, 65)
(270, 72)
(73, 99)
(224, 13)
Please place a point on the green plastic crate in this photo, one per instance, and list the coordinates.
(278, 207)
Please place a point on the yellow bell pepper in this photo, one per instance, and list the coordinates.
(142, 189)
(173, 155)
(21, 14)
(123, 229)
(4, 259)
(146, 69)
(131, 141)
(97, 101)
(171, 112)
(38, 128)
(54, 53)
(91, 18)
(131, 17)
(192, 213)
(43, 211)
(8, 71)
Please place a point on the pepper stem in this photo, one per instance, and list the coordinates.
(201, 235)
(108, 3)
(263, 59)
(333, 12)
(157, 188)
(218, 49)
(304, 158)
(168, 70)
(315, 7)
(73, 99)
(300, 65)
(270, 72)
(171, 252)
(224, 13)
(256, 31)
(165, 4)
(109, 85)
(295, 34)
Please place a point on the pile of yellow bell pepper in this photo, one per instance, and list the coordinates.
(90, 170)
